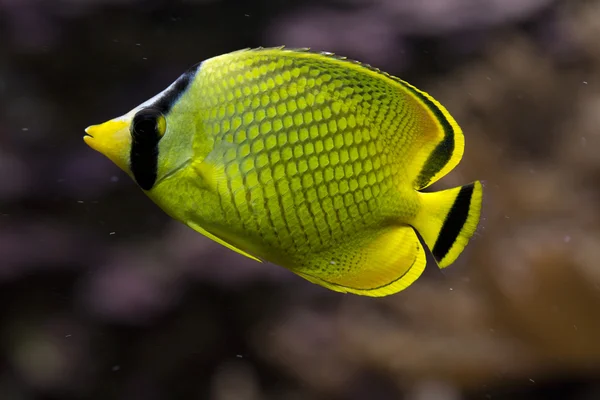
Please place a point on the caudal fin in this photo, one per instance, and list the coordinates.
(448, 219)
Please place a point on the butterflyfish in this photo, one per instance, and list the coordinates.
(304, 159)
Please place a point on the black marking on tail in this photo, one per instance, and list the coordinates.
(455, 220)
(443, 151)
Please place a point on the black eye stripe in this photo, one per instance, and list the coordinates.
(145, 125)
(170, 97)
(143, 159)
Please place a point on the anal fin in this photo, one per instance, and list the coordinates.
(375, 264)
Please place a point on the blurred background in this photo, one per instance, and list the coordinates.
(102, 296)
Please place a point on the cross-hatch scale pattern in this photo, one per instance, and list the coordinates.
(308, 149)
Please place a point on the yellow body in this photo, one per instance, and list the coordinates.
(307, 160)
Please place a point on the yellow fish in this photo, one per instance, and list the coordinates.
(304, 159)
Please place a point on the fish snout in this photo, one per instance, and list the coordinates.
(112, 139)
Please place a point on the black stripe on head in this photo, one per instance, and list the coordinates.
(443, 151)
(168, 99)
(143, 160)
(455, 220)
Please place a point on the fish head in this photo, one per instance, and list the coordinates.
(151, 142)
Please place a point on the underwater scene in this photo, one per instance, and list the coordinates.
(307, 200)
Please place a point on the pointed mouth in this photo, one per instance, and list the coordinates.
(88, 135)
(104, 135)
(111, 139)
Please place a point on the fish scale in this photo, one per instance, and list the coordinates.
(309, 152)
(304, 159)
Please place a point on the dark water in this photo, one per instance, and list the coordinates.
(104, 297)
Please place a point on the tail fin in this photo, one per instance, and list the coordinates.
(448, 219)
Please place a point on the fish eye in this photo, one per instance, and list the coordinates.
(148, 123)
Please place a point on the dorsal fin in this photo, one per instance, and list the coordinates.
(435, 157)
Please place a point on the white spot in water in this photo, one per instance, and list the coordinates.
(451, 289)
(138, 44)
(114, 178)
(24, 129)
(239, 356)
(567, 239)
(531, 380)
(68, 336)
(116, 368)
(585, 82)
(80, 201)
(112, 233)
(246, 15)
(144, 58)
